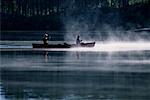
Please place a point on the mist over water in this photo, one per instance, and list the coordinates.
(101, 24)
(107, 71)
(116, 68)
(111, 46)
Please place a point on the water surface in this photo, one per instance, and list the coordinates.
(110, 71)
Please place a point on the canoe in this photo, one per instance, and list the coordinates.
(64, 45)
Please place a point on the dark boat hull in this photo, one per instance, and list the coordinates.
(65, 45)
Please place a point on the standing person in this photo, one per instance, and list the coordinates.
(45, 39)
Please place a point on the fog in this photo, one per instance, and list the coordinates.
(103, 46)
(97, 23)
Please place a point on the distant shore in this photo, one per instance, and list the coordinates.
(130, 17)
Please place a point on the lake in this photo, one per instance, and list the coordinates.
(109, 71)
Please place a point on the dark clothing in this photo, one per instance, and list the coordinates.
(45, 39)
(78, 41)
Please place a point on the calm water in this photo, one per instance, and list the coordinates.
(111, 71)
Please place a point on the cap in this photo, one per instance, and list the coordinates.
(46, 34)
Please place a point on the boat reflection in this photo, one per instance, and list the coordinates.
(46, 56)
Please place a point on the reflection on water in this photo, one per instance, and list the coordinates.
(75, 75)
(75, 85)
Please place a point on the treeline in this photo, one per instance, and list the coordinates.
(58, 14)
(60, 7)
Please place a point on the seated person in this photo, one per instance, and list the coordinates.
(45, 39)
(78, 41)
